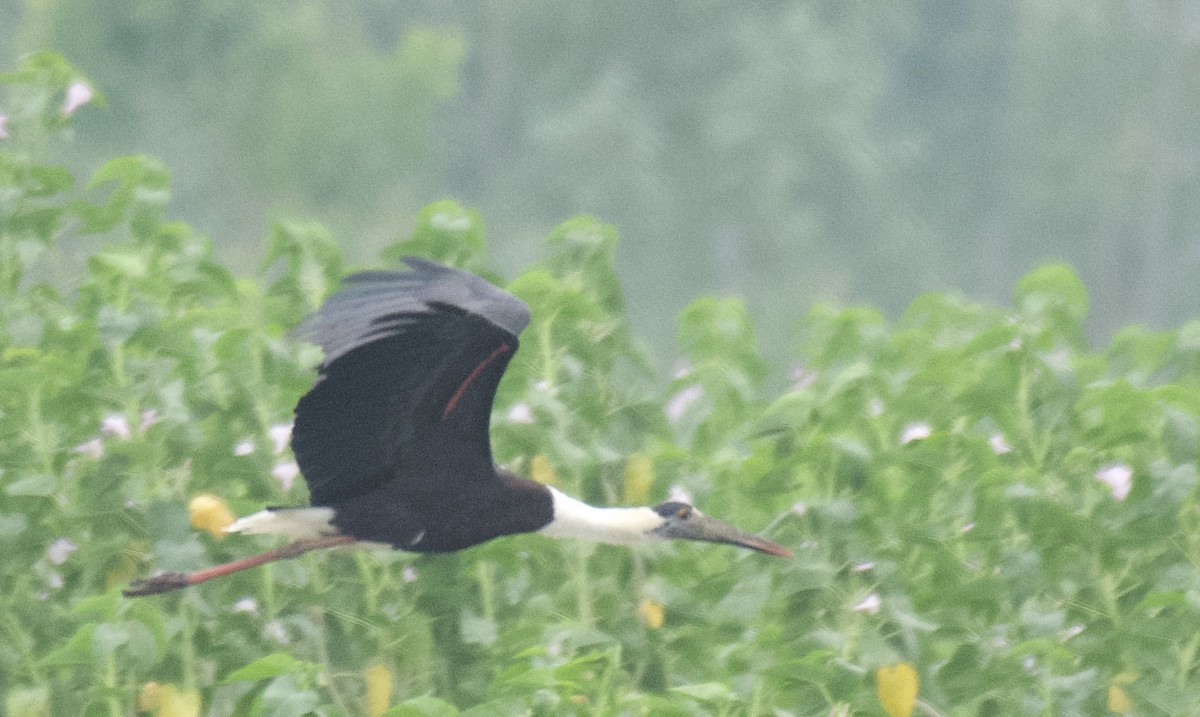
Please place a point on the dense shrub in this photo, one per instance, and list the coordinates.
(970, 490)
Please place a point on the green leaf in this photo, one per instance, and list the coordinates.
(283, 697)
(77, 650)
(1054, 294)
(101, 605)
(27, 702)
(273, 665)
(32, 485)
(445, 232)
(12, 524)
(500, 707)
(423, 707)
(706, 692)
(107, 637)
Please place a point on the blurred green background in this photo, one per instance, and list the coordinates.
(786, 151)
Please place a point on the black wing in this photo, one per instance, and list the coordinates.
(412, 361)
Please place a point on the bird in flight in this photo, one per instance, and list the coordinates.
(393, 437)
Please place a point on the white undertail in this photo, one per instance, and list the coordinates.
(295, 523)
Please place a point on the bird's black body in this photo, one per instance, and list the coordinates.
(394, 433)
(438, 521)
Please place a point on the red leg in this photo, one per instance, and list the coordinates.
(165, 582)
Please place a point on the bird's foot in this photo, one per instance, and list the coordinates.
(161, 583)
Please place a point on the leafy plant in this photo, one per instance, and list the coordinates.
(984, 510)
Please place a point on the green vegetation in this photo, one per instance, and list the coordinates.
(791, 151)
(970, 490)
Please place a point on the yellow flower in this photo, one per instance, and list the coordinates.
(896, 686)
(168, 701)
(542, 470)
(208, 512)
(652, 613)
(1118, 699)
(379, 690)
(149, 697)
(639, 476)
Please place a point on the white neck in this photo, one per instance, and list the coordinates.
(576, 519)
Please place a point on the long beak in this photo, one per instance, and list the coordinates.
(703, 527)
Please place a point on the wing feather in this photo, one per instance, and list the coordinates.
(412, 361)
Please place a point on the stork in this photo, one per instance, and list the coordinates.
(393, 437)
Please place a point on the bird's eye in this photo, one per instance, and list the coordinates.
(683, 513)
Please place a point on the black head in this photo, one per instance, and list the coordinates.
(674, 510)
(684, 522)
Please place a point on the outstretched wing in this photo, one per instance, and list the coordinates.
(412, 361)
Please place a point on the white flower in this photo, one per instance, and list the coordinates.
(78, 95)
(683, 400)
(285, 473)
(1119, 479)
(3, 129)
(115, 424)
(281, 435)
(409, 574)
(520, 413)
(801, 377)
(149, 418)
(799, 508)
(92, 449)
(276, 632)
(60, 550)
(246, 605)
(870, 605)
(999, 445)
(245, 448)
(679, 494)
(875, 408)
(915, 432)
(863, 567)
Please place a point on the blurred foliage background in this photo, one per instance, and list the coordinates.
(990, 513)
(786, 151)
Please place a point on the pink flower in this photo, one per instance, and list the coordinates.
(281, 435)
(149, 418)
(679, 494)
(916, 432)
(682, 401)
(78, 95)
(276, 632)
(285, 473)
(115, 424)
(60, 550)
(92, 449)
(1119, 479)
(520, 413)
(999, 445)
(801, 377)
(870, 605)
